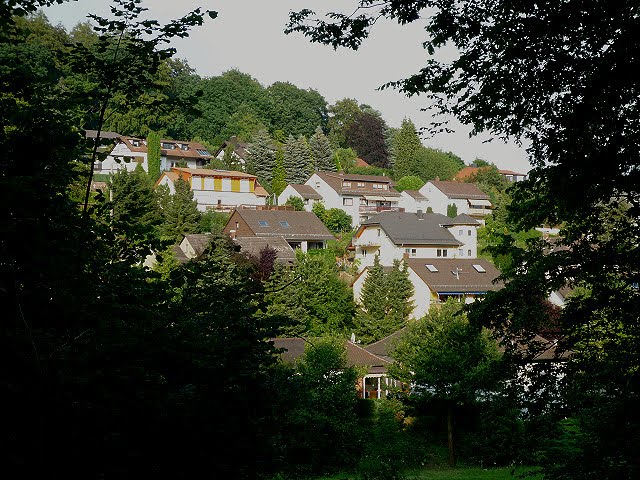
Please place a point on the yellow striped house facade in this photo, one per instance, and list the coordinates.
(220, 190)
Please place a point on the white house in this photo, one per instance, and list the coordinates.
(466, 197)
(221, 190)
(360, 196)
(413, 200)
(436, 280)
(512, 176)
(305, 192)
(239, 150)
(130, 151)
(396, 235)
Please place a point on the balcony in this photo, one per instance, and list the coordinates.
(479, 211)
(377, 209)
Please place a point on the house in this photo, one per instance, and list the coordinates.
(221, 190)
(466, 197)
(512, 176)
(238, 150)
(413, 200)
(308, 195)
(285, 255)
(436, 280)
(360, 196)
(373, 384)
(301, 230)
(193, 245)
(131, 151)
(396, 235)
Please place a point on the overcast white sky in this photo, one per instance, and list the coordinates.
(248, 35)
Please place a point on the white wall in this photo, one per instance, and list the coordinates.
(110, 165)
(412, 205)
(438, 201)
(468, 235)
(289, 191)
(209, 198)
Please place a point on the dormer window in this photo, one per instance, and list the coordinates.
(168, 146)
(346, 184)
(184, 146)
(135, 142)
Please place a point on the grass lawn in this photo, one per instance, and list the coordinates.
(462, 473)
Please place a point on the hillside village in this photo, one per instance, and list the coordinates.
(208, 277)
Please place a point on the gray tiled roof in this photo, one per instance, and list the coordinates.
(306, 191)
(334, 180)
(199, 242)
(459, 190)
(253, 246)
(301, 225)
(467, 280)
(462, 219)
(405, 228)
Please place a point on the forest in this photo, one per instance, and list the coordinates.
(115, 370)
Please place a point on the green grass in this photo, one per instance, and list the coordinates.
(462, 473)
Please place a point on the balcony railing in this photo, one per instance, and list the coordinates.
(375, 209)
(479, 211)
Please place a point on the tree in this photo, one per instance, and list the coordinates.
(261, 157)
(181, 215)
(410, 182)
(385, 301)
(295, 111)
(310, 298)
(432, 163)
(446, 358)
(296, 203)
(341, 115)
(297, 160)
(406, 144)
(366, 135)
(153, 155)
(321, 152)
(452, 210)
(337, 220)
(345, 159)
(279, 182)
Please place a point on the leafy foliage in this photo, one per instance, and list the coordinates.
(153, 155)
(406, 145)
(297, 160)
(409, 182)
(180, 214)
(366, 135)
(296, 202)
(321, 152)
(261, 157)
(279, 182)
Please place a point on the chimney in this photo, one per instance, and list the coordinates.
(437, 179)
(420, 214)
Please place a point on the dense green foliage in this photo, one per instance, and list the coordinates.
(153, 155)
(409, 182)
(406, 145)
(180, 213)
(296, 202)
(321, 152)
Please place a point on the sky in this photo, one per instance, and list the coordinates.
(248, 35)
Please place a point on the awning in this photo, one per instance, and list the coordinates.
(485, 203)
(376, 198)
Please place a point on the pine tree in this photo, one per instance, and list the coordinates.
(406, 144)
(261, 157)
(321, 152)
(297, 159)
(399, 303)
(181, 215)
(373, 298)
(153, 156)
(279, 182)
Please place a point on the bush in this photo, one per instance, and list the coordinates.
(296, 202)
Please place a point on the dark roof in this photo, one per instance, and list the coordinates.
(300, 225)
(239, 148)
(460, 190)
(334, 180)
(405, 228)
(356, 355)
(192, 151)
(306, 191)
(383, 347)
(199, 242)
(253, 246)
(545, 350)
(94, 133)
(463, 219)
(415, 194)
(178, 254)
(445, 280)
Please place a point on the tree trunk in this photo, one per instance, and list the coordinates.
(452, 454)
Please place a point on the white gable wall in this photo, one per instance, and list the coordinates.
(468, 235)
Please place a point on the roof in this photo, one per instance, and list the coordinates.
(178, 254)
(463, 219)
(443, 278)
(511, 172)
(192, 150)
(361, 163)
(545, 350)
(405, 228)
(415, 194)
(356, 355)
(459, 189)
(198, 241)
(290, 224)
(206, 172)
(383, 347)
(240, 148)
(306, 191)
(335, 181)
(94, 134)
(260, 191)
(253, 245)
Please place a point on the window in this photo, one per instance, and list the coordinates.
(460, 232)
(468, 253)
(284, 224)
(346, 184)
(377, 186)
(263, 223)
(479, 268)
(469, 232)
(135, 143)
(431, 268)
(385, 187)
(363, 201)
(378, 232)
(347, 201)
(410, 251)
(317, 184)
(202, 152)
(439, 253)
(364, 252)
(461, 252)
(442, 252)
(168, 146)
(360, 184)
(306, 201)
(237, 225)
(184, 146)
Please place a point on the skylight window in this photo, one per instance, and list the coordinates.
(479, 268)
(263, 223)
(431, 268)
(203, 152)
(284, 224)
